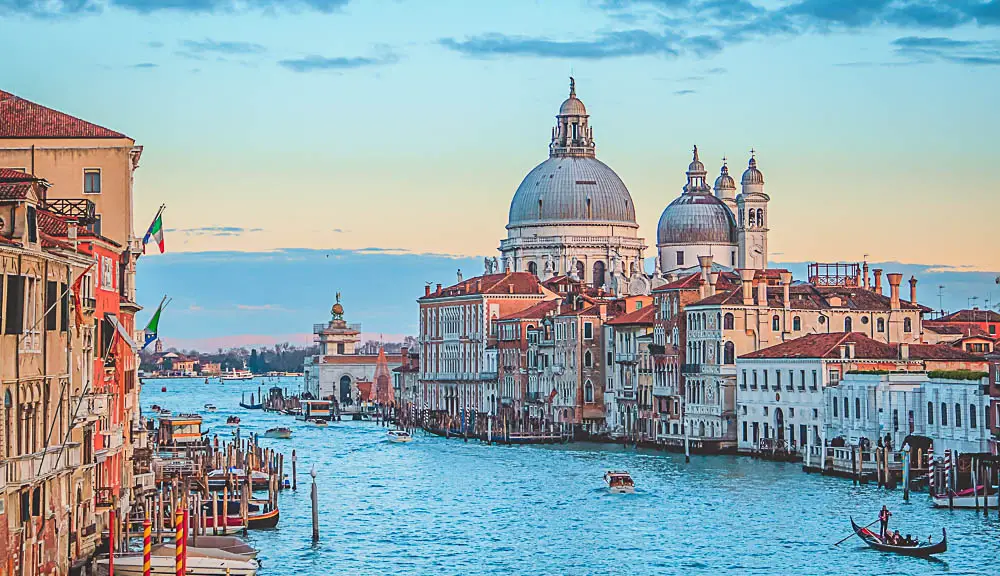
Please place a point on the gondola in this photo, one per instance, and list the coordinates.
(921, 550)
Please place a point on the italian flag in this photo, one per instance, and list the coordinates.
(155, 231)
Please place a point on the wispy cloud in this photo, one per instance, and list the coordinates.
(214, 231)
(608, 45)
(317, 63)
(50, 8)
(340, 231)
(144, 65)
(685, 92)
(973, 52)
(226, 47)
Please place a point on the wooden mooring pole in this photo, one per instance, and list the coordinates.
(295, 479)
(315, 507)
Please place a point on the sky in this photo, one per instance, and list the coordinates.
(395, 132)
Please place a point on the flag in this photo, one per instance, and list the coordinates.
(155, 232)
(552, 395)
(153, 326)
(77, 303)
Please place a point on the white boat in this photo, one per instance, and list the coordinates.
(399, 436)
(237, 375)
(210, 407)
(198, 564)
(319, 422)
(964, 500)
(279, 432)
(619, 482)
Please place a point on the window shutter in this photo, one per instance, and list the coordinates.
(32, 224)
(64, 308)
(15, 305)
(50, 305)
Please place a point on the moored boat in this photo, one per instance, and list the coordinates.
(280, 432)
(210, 407)
(198, 564)
(873, 540)
(230, 544)
(399, 436)
(233, 421)
(217, 478)
(319, 422)
(966, 499)
(619, 482)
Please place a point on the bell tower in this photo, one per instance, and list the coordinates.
(752, 218)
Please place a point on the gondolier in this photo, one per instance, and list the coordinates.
(883, 518)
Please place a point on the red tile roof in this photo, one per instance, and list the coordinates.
(809, 297)
(20, 118)
(11, 175)
(536, 312)
(14, 190)
(970, 316)
(865, 348)
(642, 317)
(509, 283)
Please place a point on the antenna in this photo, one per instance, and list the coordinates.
(941, 298)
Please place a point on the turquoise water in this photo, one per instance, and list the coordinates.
(438, 506)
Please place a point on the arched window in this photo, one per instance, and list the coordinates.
(944, 414)
(590, 213)
(727, 321)
(588, 392)
(796, 323)
(776, 323)
(972, 415)
(598, 272)
(753, 218)
(588, 359)
(8, 406)
(857, 408)
(880, 325)
(533, 268)
(907, 325)
(958, 415)
(848, 324)
(930, 413)
(730, 353)
(760, 217)
(847, 408)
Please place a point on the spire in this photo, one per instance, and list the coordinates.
(696, 174)
(572, 135)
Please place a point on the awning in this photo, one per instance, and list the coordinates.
(122, 331)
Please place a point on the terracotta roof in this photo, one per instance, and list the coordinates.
(642, 317)
(809, 297)
(14, 190)
(509, 283)
(11, 175)
(536, 312)
(865, 348)
(20, 118)
(933, 326)
(970, 316)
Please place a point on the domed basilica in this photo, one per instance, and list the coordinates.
(572, 215)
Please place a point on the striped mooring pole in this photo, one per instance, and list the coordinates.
(179, 542)
(146, 545)
(930, 470)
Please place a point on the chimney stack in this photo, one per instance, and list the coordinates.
(865, 272)
(762, 291)
(713, 279)
(706, 266)
(877, 274)
(786, 282)
(894, 281)
(438, 288)
(746, 283)
(459, 275)
(427, 289)
(904, 351)
(913, 289)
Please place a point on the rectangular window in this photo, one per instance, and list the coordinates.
(63, 308)
(835, 414)
(765, 379)
(753, 386)
(588, 330)
(777, 375)
(803, 434)
(744, 430)
(51, 314)
(680, 257)
(834, 377)
(30, 342)
(744, 379)
(802, 379)
(91, 181)
(791, 379)
(815, 379)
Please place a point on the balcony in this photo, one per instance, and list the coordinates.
(690, 368)
(89, 304)
(626, 357)
(40, 465)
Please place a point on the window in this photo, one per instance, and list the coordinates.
(680, 257)
(744, 380)
(754, 385)
(796, 323)
(930, 413)
(776, 324)
(958, 415)
(972, 415)
(32, 224)
(588, 359)
(63, 308)
(944, 414)
(598, 272)
(777, 375)
(834, 376)
(848, 325)
(533, 268)
(815, 413)
(880, 325)
(730, 353)
(815, 379)
(802, 379)
(791, 379)
(30, 341)
(744, 430)
(92, 181)
(847, 408)
(51, 314)
(907, 325)
(835, 404)
(727, 322)
(765, 379)
(588, 392)
(857, 408)
(588, 330)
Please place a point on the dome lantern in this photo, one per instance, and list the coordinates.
(696, 176)
(572, 135)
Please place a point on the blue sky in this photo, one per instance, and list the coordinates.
(403, 124)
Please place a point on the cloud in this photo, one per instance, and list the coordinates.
(63, 8)
(607, 45)
(145, 65)
(214, 231)
(225, 47)
(316, 63)
(685, 92)
(340, 230)
(155, 44)
(971, 52)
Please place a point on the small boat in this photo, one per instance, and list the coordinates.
(260, 515)
(279, 432)
(230, 544)
(619, 482)
(198, 564)
(155, 408)
(210, 407)
(165, 413)
(319, 422)
(399, 436)
(966, 499)
(233, 421)
(873, 540)
(217, 478)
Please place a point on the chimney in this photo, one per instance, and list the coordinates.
(786, 282)
(746, 280)
(762, 291)
(438, 289)
(460, 275)
(427, 289)
(904, 351)
(877, 274)
(865, 272)
(71, 232)
(850, 350)
(894, 280)
(843, 351)
(706, 266)
(713, 279)
(913, 289)
(510, 288)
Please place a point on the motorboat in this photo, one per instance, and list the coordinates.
(237, 375)
(155, 408)
(226, 525)
(233, 421)
(619, 482)
(199, 563)
(966, 499)
(875, 541)
(399, 436)
(319, 422)
(280, 432)
(217, 478)
(210, 407)
(230, 544)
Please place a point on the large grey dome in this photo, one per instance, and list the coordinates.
(572, 189)
(696, 219)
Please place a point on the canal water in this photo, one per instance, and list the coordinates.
(438, 506)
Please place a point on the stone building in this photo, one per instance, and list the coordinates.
(629, 397)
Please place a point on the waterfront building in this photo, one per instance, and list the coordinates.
(339, 372)
(572, 215)
(952, 412)
(629, 397)
(578, 396)
(458, 371)
(731, 229)
(970, 321)
(516, 365)
(993, 419)
(768, 309)
(406, 385)
(780, 401)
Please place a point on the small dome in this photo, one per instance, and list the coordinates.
(725, 181)
(572, 106)
(695, 166)
(752, 174)
(696, 219)
(337, 309)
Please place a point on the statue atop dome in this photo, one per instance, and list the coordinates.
(338, 309)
